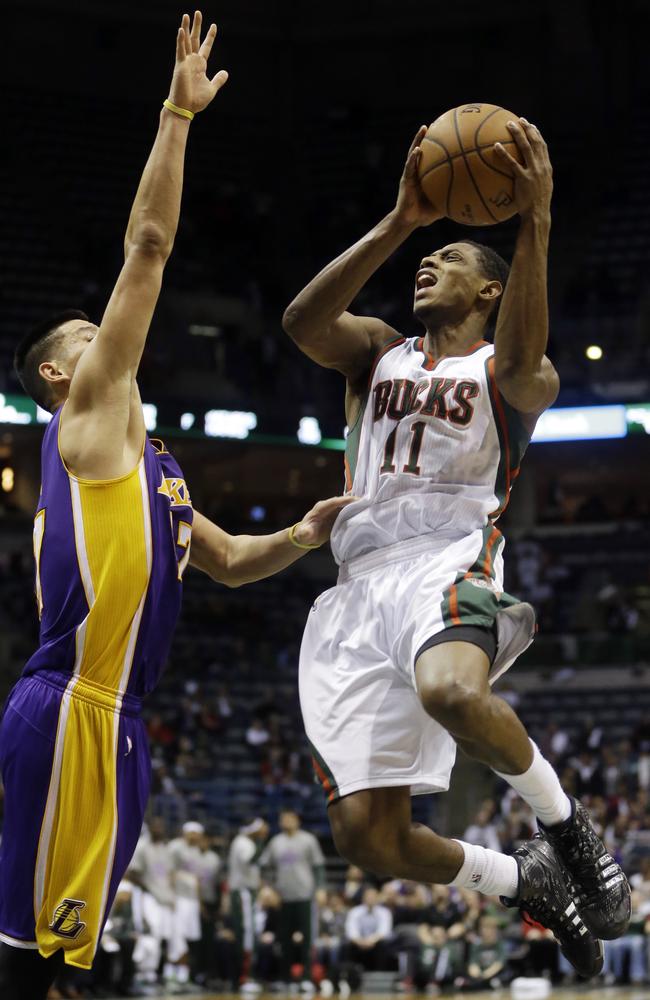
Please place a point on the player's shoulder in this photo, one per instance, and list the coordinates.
(388, 342)
(381, 333)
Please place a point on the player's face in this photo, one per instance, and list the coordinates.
(79, 334)
(447, 284)
(157, 829)
(289, 822)
(75, 337)
(79, 338)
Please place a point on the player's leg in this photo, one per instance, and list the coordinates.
(374, 830)
(372, 739)
(25, 975)
(452, 683)
(26, 755)
(287, 927)
(305, 924)
(237, 923)
(242, 919)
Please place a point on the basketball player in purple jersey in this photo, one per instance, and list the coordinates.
(397, 659)
(111, 539)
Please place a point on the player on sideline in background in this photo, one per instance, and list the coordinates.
(397, 659)
(112, 538)
(244, 880)
(295, 859)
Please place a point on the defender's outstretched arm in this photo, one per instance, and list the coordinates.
(318, 321)
(238, 559)
(101, 390)
(524, 374)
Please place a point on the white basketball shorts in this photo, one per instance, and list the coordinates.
(360, 706)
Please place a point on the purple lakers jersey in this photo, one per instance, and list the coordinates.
(110, 556)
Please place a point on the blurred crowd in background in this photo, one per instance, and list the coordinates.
(231, 767)
(264, 913)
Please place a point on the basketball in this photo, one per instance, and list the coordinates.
(459, 171)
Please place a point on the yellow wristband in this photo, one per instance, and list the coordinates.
(183, 112)
(292, 539)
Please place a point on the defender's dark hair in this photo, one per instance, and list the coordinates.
(33, 350)
(494, 268)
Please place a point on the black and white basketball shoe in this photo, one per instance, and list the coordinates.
(599, 886)
(544, 895)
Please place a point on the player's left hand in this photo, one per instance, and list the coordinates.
(412, 206)
(191, 87)
(533, 179)
(317, 524)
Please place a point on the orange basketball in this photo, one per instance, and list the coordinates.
(459, 170)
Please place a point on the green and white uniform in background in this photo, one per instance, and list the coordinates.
(243, 881)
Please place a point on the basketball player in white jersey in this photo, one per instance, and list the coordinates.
(397, 659)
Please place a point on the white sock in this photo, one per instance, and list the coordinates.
(182, 973)
(540, 787)
(487, 871)
(169, 971)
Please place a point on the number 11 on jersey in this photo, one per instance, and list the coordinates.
(411, 466)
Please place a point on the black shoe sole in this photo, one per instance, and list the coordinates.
(594, 969)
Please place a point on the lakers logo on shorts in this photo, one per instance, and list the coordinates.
(66, 921)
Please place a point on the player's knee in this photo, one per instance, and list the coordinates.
(455, 704)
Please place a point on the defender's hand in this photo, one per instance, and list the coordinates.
(413, 207)
(317, 524)
(191, 88)
(533, 180)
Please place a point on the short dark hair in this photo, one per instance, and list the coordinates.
(32, 351)
(494, 267)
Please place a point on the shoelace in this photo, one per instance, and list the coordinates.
(590, 883)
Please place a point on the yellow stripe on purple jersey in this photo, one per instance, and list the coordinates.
(109, 562)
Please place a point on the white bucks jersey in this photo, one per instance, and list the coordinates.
(435, 449)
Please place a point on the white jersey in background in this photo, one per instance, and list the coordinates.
(435, 450)
(187, 862)
(243, 870)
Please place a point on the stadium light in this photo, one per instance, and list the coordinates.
(7, 479)
(638, 417)
(150, 413)
(229, 423)
(309, 431)
(10, 415)
(581, 423)
(43, 416)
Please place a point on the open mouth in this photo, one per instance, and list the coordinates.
(425, 279)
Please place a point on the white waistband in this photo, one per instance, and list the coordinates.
(411, 548)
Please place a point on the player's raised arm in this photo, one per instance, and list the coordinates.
(238, 559)
(101, 389)
(525, 376)
(318, 321)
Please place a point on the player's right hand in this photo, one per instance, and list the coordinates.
(413, 207)
(316, 526)
(191, 87)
